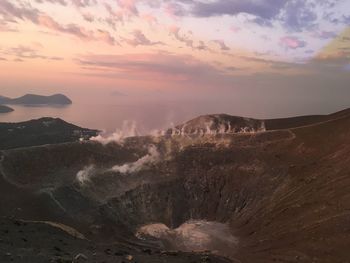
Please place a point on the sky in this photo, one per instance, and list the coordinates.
(278, 53)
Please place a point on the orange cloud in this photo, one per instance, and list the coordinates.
(78, 31)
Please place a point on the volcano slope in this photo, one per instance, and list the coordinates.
(282, 193)
(41, 131)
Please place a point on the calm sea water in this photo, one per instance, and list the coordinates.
(109, 115)
(146, 116)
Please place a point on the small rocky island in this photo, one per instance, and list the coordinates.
(33, 99)
(5, 109)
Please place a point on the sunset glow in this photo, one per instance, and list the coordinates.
(172, 45)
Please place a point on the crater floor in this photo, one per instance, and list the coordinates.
(193, 235)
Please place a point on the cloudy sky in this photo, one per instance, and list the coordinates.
(268, 50)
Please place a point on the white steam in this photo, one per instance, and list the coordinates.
(83, 176)
(129, 129)
(211, 129)
(157, 133)
(151, 158)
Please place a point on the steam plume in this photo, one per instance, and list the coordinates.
(129, 129)
(83, 176)
(151, 158)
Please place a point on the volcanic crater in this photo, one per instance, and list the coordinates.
(273, 195)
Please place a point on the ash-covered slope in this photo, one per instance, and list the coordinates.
(283, 194)
(294, 122)
(227, 124)
(217, 124)
(41, 131)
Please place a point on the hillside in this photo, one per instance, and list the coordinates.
(39, 132)
(227, 124)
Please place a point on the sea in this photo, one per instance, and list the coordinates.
(147, 116)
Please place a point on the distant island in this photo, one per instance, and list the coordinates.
(5, 109)
(33, 99)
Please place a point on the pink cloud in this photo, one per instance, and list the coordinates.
(88, 17)
(324, 34)
(159, 66)
(105, 36)
(235, 29)
(290, 42)
(139, 39)
(40, 19)
(126, 9)
(221, 44)
(149, 18)
(174, 10)
(75, 30)
(175, 31)
(128, 6)
(81, 3)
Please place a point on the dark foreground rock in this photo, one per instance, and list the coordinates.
(43, 242)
